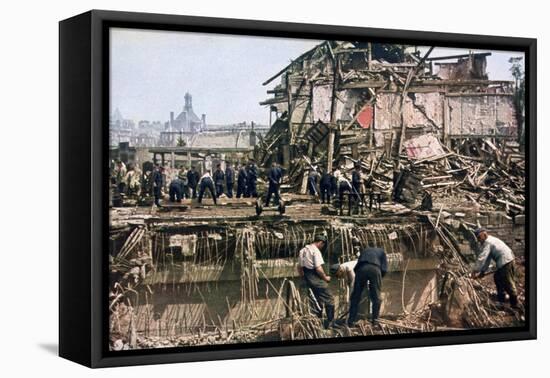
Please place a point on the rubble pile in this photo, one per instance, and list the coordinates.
(414, 123)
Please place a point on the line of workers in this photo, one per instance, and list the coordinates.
(184, 183)
(190, 184)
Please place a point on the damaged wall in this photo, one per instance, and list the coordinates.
(482, 114)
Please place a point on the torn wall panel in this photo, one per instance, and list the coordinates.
(482, 115)
(423, 147)
(423, 109)
(346, 102)
(321, 102)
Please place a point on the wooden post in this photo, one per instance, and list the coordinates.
(330, 156)
(369, 46)
(289, 106)
(446, 119)
(286, 155)
(303, 188)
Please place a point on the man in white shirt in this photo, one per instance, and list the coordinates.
(310, 267)
(492, 249)
(345, 271)
(205, 183)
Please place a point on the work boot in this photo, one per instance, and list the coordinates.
(327, 324)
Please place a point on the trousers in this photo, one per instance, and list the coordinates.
(366, 276)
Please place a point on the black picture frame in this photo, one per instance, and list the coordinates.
(83, 141)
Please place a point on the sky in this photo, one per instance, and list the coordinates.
(152, 70)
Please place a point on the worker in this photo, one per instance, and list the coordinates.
(371, 266)
(176, 190)
(229, 180)
(346, 270)
(252, 177)
(344, 186)
(182, 175)
(157, 179)
(120, 173)
(192, 181)
(493, 249)
(241, 181)
(325, 186)
(334, 182)
(356, 180)
(312, 180)
(274, 178)
(310, 267)
(132, 180)
(206, 182)
(219, 178)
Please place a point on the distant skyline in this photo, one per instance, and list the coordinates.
(152, 70)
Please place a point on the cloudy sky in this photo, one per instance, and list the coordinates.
(152, 70)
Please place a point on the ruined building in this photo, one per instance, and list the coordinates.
(344, 98)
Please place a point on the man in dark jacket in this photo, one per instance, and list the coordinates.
(192, 181)
(219, 178)
(274, 177)
(229, 180)
(176, 190)
(312, 179)
(371, 266)
(252, 177)
(241, 181)
(157, 183)
(325, 186)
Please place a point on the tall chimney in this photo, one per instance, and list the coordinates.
(171, 121)
(203, 127)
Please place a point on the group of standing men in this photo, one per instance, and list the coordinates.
(189, 184)
(334, 184)
(246, 176)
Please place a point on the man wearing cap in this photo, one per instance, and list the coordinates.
(310, 267)
(229, 180)
(493, 249)
(157, 179)
(193, 180)
(241, 181)
(274, 177)
(371, 266)
(312, 179)
(251, 179)
(219, 178)
(325, 185)
(182, 175)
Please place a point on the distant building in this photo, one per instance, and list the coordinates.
(187, 121)
(123, 130)
(117, 121)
